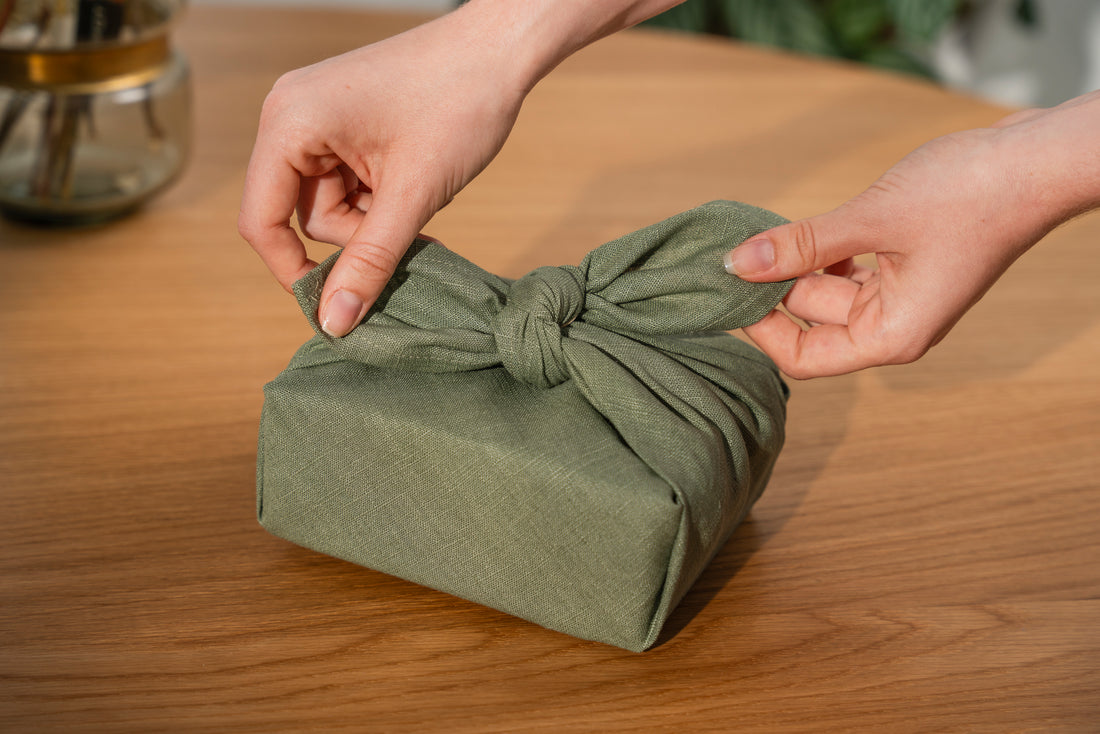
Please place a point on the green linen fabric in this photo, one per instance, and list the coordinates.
(571, 447)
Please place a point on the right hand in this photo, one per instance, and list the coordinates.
(944, 224)
(367, 146)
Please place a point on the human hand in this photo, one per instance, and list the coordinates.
(943, 224)
(367, 146)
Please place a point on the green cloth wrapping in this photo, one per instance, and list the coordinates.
(571, 447)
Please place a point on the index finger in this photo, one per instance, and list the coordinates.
(271, 188)
(820, 351)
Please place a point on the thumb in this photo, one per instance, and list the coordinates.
(795, 249)
(366, 264)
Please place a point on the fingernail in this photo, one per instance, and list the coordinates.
(754, 256)
(342, 313)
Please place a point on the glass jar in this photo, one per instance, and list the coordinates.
(95, 107)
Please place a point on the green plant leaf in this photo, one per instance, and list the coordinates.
(798, 25)
(1026, 13)
(856, 23)
(919, 21)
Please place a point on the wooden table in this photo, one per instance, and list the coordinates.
(926, 557)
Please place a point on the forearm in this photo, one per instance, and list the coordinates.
(531, 37)
(1053, 155)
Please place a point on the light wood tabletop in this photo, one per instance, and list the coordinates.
(926, 557)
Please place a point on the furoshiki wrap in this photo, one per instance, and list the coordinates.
(571, 447)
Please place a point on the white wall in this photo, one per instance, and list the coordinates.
(996, 57)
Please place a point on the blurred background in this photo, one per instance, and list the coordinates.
(1015, 52)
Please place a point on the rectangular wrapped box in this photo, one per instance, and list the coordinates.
(571, 447)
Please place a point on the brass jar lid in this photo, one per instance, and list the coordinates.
(90, 70)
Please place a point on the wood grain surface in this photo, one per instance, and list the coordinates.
(925, 559)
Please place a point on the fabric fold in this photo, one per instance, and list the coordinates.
(442, 313)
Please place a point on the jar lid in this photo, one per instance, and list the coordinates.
(84, 46)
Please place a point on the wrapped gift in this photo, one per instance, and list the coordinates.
(571, 447)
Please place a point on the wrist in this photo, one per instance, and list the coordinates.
(1054, 155)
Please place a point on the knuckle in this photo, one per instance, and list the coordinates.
(901, 346)
(283, 112)
(804, 244)
(310, 228)
(247, 228)
(909, 352)
(274, 105)
(794, 371)
(282, 90)
(904, 353)
(371, 263)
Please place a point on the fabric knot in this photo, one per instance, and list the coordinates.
(528, 329)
